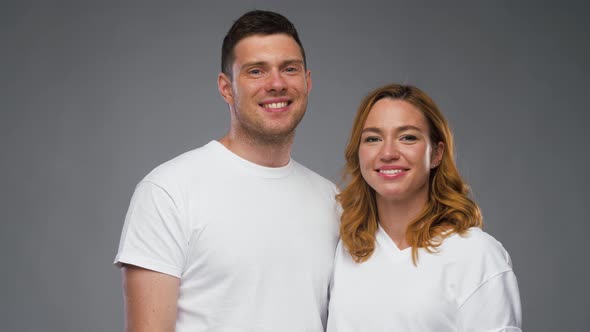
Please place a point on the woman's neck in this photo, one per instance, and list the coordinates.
(396, 216)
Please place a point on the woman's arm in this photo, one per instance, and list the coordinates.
(494, 306)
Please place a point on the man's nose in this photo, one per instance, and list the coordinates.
(276, 82)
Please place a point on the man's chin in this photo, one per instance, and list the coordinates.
(274, 135)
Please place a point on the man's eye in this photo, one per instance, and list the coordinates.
(254, 71)
(291, 69)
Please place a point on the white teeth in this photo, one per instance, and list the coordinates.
(275, 105)
(390, 171)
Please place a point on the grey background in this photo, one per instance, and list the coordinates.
(96, 94)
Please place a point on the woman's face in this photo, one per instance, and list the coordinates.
(395, 151)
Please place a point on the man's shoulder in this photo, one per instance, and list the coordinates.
(315, 178)
(182, 167)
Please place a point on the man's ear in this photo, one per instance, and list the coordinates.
(308, 79)
(224, 87)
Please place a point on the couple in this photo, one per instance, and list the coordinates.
(237, 236)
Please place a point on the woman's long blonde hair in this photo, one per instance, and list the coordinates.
(449, 210)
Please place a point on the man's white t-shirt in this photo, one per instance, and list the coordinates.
(253, 246)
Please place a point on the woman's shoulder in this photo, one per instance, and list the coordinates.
(474, 258)
(477, 248)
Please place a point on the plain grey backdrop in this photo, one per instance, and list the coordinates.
(96, 94)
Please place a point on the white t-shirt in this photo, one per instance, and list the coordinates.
(468, 286)
(253, 246)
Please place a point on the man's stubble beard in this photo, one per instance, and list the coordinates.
(257, 133)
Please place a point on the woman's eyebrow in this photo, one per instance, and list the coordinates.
(372, 130)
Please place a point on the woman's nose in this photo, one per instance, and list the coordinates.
(389, 151)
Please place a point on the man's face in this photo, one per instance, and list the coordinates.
(269, 87)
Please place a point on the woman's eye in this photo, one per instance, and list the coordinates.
(371, 139)
(410, 138)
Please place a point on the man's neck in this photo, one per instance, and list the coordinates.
(268, 154)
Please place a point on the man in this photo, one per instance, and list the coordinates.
(235, 235)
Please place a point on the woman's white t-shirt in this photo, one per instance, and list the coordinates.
(468, 285)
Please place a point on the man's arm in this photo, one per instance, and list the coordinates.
(150, 300)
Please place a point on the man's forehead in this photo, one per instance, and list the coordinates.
(263, 36)
(263, 47)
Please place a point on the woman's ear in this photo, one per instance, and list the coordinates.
(437, 154)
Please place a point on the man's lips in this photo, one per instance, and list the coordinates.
(275, 105)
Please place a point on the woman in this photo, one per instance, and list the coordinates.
(412, 255)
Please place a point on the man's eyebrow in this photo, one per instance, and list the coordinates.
(264, 63)
(293, 61)
(254, 64)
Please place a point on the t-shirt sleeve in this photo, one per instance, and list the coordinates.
(153, 235)
(494, 306)
(489, 299)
